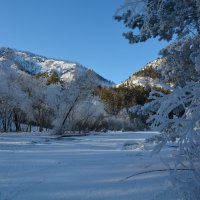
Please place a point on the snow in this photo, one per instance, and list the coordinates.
(144, 81)
(139, 80)
(34, 64)
(99, 166)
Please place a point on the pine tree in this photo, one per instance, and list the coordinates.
(177, 116)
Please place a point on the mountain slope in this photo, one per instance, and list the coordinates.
(163, 73)
(150, 75)
(34, 64)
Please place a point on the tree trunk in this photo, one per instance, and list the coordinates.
(60, 130)
(17, 123)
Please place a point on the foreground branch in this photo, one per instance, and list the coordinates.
(153, 170)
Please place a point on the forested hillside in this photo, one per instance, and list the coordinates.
(62, 96)
(66, 97)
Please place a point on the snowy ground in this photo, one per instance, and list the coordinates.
(108, 166)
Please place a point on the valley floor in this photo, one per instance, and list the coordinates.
(108, 166)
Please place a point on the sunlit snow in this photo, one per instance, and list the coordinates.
(104, 166)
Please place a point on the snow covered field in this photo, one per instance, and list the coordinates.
(108, 166)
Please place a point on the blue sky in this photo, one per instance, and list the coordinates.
(79, 30)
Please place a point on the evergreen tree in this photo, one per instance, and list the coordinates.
(178, 114)
(164, 19)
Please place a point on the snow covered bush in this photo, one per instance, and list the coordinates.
(178, 119)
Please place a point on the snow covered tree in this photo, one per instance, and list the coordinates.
(78, 110)
(178, 64)
(25, 101)
(178, 117)
(164, 19)
(14, 103)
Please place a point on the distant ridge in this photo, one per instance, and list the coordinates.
(35, 64)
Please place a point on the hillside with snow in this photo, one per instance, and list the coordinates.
(161, 73)
(52, 93)
(149, 75)
(66, 96)
(33, 64)
(55, 94)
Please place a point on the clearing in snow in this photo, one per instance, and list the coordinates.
(104, 166)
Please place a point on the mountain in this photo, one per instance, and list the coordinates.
(163, 73)
(149, 75)
(35, 65)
